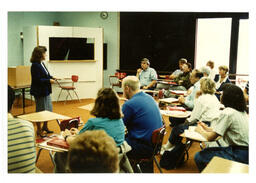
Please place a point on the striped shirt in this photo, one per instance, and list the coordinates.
(21, 146)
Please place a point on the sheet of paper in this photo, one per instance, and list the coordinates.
(169, 100)
(192, 134)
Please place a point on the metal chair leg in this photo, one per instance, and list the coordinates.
(59, 95)
(76, 95)
(38, 154)
(138, 167)
(157, 164)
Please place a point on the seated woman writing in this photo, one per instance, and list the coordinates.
(108, 118)
(232, 125)
(206, 109)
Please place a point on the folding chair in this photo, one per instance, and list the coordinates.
(157, 140)
(69, 123)
(116, 80)
(74, 79)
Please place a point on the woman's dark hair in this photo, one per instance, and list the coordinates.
(107, 104)
(37, 54)
(233, 97)
(11, 97)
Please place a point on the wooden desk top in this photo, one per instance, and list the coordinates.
(221, 165)
(176, 114)
(42, 116)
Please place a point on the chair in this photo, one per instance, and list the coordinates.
(116, 80)
(157, 140)
(74, 79)
(69, 123)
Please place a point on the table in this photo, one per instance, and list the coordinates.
(43, 145)
(221, 165)
(23, 94)
(42, 116)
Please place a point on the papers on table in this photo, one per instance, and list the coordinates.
(169, 100)
(44, 144)
(176, 114)
(150, 91)
(192, 134)
(178, 92)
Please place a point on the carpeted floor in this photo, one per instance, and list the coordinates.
(71, 108)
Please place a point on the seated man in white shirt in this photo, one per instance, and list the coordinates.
(146, 75)
(194, 79)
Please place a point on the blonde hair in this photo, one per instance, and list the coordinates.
(223, 67)
(132, 82)
(93, 151)
(207, 86)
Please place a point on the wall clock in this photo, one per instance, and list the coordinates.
(104, 15)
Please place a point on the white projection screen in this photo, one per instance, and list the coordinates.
(212, 41)
(243, 53)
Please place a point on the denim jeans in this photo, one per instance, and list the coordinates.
(231, 153)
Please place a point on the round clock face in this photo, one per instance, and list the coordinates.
(104, 15)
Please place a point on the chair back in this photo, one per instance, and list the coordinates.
(68, 123)
(120, 75)
(74, 78)
(157, 139)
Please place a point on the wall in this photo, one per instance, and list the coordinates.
(111, 34)
(17, 20)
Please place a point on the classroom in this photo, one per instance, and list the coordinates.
(174, 76)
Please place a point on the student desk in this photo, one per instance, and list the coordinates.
(221, 165)
(42, 116)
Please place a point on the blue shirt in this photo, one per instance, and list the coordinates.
(177, 72)
(189, 100)
(147, 76)
(141, 116)
(114, 128)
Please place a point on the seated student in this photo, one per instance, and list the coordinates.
(232, 125)
(178, 71)
(108, 118)
(206, 71)
(212, 71)
(188, 101)
(21, 142)
(220, 79)
(206, 109)
(183, 78)
(146, 75)
(141, 117)
(93, 152)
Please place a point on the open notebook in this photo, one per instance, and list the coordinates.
(192, 134)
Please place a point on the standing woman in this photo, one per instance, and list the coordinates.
(41, 85)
